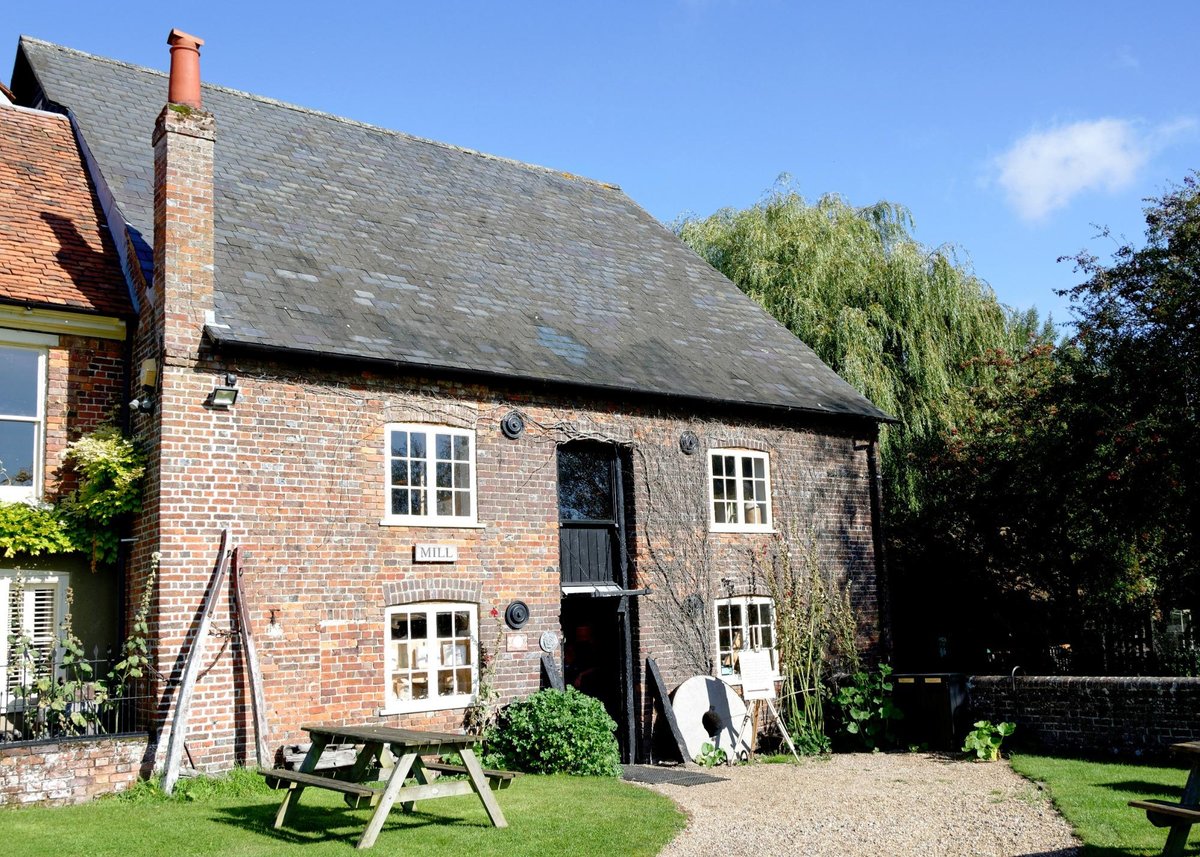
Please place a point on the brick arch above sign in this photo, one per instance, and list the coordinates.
(416, 589)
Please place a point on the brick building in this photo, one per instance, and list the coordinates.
(419, 384)
(65, 317)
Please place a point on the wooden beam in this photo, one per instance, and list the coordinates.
(258, 702)
(191, 669)
(659, 689)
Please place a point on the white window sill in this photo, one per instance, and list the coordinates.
(741, 528)
(445, 703)
(439, 523)
(23, 494)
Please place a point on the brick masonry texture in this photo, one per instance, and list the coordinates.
(296, 470)
(84, 387)
(74, 771)
(1129, 717)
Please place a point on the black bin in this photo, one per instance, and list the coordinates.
(935, 708)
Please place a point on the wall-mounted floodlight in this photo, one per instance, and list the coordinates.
(224, 395)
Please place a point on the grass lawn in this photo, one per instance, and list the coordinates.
(1093, 797)
(546, 815)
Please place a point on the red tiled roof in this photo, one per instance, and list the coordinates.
(54, 249)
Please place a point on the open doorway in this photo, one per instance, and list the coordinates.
(597, 610)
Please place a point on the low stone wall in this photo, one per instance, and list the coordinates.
(71, 770)
(1131, 717)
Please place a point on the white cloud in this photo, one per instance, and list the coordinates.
(1044, 170)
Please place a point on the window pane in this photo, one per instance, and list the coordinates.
(445, 503)
(759, 468)
(718, 489)
(416, 442)
(16, 453)
(718, 465)
(399, 502)
(416, 473)
(462, 476)
(462, 624)
(400, 627)
(399, 473)
(445, 682)
(444, 626)
(464, 681)
(401, 687)
(443, 447)
(752, 611)
(735, 615)
(443, 475)
(418, 626)
(417, 500)
(723, 615)
(18, 381)
(585, 489)
(402, 656)
(462, 448)
(420, 686)
(768, 640)
(462, 504)
(747, 467)
(400, 444)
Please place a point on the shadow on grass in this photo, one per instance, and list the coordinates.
(1145, 787)
(315, 824)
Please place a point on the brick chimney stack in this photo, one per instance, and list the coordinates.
(183, 206)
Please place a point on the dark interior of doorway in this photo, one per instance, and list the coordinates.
(592, 653)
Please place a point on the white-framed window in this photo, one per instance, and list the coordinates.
(745, 622)
(739, 490)
(35, 604)
(430, 475)
(431, 656)
(22, 418)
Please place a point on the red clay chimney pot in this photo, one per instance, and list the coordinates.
(184, 85)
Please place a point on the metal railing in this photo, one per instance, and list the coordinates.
(46, 696)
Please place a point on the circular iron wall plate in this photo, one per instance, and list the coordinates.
(688, 442)
(512, 425)
(548, 642)
(516, 615)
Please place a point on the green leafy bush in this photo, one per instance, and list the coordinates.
(32, 530)
(554, 732)
(110, 468)
(985, 739)
(711, 755)
(866, 709)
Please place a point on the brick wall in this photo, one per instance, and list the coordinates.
(84, 387)
(71, 771)
(1122, 716)
(296, 471)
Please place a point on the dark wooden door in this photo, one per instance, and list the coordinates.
(587, 513)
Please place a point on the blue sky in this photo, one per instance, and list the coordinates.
(1009, 130)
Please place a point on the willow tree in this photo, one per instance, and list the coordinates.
(900, 322)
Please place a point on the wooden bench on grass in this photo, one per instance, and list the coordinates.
(496, 779)
(1178, 816)
(357, 794)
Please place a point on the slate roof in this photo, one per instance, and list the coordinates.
(340, 238)
(54, 248)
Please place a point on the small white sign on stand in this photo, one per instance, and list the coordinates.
(758, 685)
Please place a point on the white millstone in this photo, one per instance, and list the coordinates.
(710, 712)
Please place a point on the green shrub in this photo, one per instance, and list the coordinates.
(985, 739)
(554, 732)
(866, 709)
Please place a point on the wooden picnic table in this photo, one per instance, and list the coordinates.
(407, 746)
(1178, 816)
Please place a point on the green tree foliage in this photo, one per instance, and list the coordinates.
(898, 321)
(1069, 496)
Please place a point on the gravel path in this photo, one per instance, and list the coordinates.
(870, 804)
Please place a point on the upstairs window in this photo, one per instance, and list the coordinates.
(739, 491)
(22, 413)
(430, 476)
(431, 656)
(747, 622)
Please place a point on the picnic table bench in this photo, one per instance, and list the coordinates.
(407, 746)
(1178, 816)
